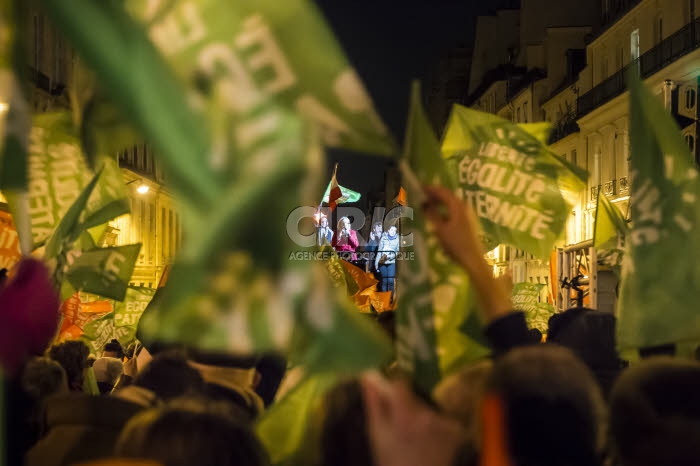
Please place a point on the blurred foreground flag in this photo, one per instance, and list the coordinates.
(520, 190)
(660, 272)
(282, 50)
(437, 329)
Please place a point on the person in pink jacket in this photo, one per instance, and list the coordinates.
(345, 242)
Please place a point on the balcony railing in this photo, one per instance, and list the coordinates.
(609, 188)
(594, 193)
(680, 43)
(624, 186)
(565, 126)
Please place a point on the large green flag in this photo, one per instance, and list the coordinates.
(660, 273)
(58, 173)
(232, 286)
(609, 233)
(437, 326)
(233, 54)
(520, 190)
(104, 271)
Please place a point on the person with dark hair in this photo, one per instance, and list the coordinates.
(387, 321)
(343, 435)
(655, 414)
(375, 235)
(229, 378)
(554, 409)
(169, 376)
(271, 368)
(590, 335)
(189, 432)
(43, 377)
(72, 356)
(113, 349)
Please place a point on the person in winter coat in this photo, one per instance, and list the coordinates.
(385, 260)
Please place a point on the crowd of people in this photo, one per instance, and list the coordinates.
(380, 251)
(571, 401)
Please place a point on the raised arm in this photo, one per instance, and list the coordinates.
(457, 228)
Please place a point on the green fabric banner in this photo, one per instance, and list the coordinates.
(660, 273)
(58, 173)
(520, 190)
(438, 328)
(233, 54)
(104, 271)
(235, 154)
(127, 313)
(121, 323)
(525, 297)
(609, 233)
(284, 428)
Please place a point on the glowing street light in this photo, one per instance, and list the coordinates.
(142, 189)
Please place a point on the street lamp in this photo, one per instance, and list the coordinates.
(142, 188)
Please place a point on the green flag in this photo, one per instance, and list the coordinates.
(149, 95)
(283, 429)
(104, 271)
(232, 54)
(348, 195)
(519, 189)
(525, 297)
(58, 173)
(660, 274)
(437, 327)
(609, 233)
(127, 313)
(99, 332)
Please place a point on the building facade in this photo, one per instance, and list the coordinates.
(583, 94)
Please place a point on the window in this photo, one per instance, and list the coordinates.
(603, 68)
(517, 117)
(163, 232)
(634, 45)
(573, 157)
(690, 98)
(151, 232)
(525, 111)
(659, 29)
(171, 234)
(690, 140)
(620, 58)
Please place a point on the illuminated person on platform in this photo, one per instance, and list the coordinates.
(346, 241)
(325, 233)
(385, 261)
(372, 245)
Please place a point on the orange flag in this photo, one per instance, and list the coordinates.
(494, 448)
(9, 242)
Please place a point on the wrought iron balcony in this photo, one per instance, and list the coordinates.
(594, 193)
(565, 126)
(624, 185)
(609, 188)
(680, 43)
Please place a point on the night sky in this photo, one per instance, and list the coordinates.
(390, 43)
